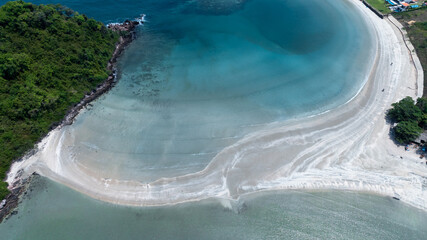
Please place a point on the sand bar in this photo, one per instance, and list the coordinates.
(346, 148)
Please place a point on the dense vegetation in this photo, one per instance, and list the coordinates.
(415, 23)
(411, 118)
(50, 56)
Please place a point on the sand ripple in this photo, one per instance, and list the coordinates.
(345, 148)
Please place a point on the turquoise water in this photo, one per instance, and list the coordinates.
(52, 211)
(202, 74)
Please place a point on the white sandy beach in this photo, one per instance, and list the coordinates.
(347, 148)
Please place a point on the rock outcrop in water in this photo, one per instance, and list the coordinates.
(9, 204)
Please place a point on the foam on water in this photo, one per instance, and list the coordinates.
(141, 143)
(52, 211)
(203, 74)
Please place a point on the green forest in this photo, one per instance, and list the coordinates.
(50, 57)
(411, 119)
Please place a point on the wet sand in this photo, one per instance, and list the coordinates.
(345, 148)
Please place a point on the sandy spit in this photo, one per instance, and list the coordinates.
(347, 148)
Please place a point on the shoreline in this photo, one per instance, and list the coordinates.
(415, 60)
(127, 26)
(9, 204)
(345, 148)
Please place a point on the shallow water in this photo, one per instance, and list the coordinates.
(202, 74)
(52, 211)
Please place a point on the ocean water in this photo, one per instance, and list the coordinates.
(52, 211)
(203, 74)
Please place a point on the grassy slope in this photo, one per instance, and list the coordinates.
(418, 34)
(379, 5)
(50, 57)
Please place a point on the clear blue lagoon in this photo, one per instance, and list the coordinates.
(200, 76)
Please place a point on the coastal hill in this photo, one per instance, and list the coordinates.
(50, 57)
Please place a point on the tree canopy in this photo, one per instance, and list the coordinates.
(405, 110)
(50, 56)
(411, 118)
(407, 131)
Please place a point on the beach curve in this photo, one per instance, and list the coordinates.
(345, 148)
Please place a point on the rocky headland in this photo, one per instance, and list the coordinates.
(127, 31)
